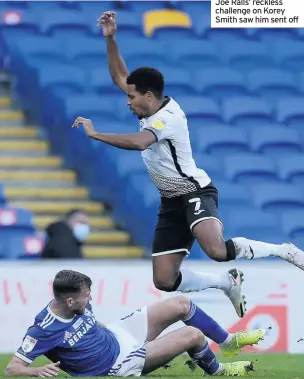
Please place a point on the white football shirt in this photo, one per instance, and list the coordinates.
(169, 161)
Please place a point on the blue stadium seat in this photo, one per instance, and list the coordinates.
(299, 242)
(87, 53)
(130, 25)
(222, 141)
(250, 169)
(247, 111)
(90, 106)
(212, 164)
(278, 197)
(273, 35)
(293, 224)
(3, 200)
(15, 24)
(195, 54)
(232, 197)
(63, 80)
(220, 83)
(272, 83)
(144, 51)
(290, 111)
(247, 55)
(290, 55)
(95, 8)
(101, 82)
(275, 141)
(203, 109)
(25, 246)
(178, 82)
(39, 51)
(291, 168)
(254, 224)
(145, 6)
(66, 24)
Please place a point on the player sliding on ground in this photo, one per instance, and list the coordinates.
(189, 200)
(67, 333)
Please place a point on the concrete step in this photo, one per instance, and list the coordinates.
(5, 102)
(96, 222)
(11, 116)
(35, 193)
(17, 133)
(108, 237)
(59, 207)
(113, 252)
(37, 176)
(25, 145)
(13, 162)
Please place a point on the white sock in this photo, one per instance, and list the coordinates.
(251, 249)
(227, 341)
(195, 281)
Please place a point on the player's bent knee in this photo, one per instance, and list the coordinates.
(166, 285)
(216, 252)
(195, 336)
(182, 305)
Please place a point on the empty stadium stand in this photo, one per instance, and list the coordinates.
(242, 91)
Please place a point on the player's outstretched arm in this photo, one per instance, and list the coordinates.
(18, 367)
(117, 67)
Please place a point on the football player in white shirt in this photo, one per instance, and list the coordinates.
(189, 201)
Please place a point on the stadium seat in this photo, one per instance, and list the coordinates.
(275, 141)
(291, 57)
(167, 24)
(250, 169)
(178, 82)
(195, 54)
(273, 35)
(247, 55)
(299, 242)
(293, 224)
(290, 111)
(254, 224)
(63, 80)
(39, 51)
(272, 83)
(143, 52)
(130, 25)
(212, 164)
(291, 168)
(3, 200)
(220, 83)
(278, 198)
(25, 246)
(101, 82)
(232, 197)
(194, 8)
(66, 24)
(203, 109)
(222, 141)
(94, 107)
(145, 6)
(247, 111)
(18, 23)
(87, 53)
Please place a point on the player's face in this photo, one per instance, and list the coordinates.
(139, 104)
(79, 302)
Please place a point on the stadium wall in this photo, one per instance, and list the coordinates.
(273, 292)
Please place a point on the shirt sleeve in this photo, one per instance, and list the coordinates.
(161, 128)
(35, 343)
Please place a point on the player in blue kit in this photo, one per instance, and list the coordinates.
(67, 333)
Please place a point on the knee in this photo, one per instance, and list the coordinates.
(182, 305)
(195, 336)
(217, 252)
(165, 283)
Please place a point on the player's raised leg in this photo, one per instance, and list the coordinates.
(173, 240)
(191, 340)
(210, 237)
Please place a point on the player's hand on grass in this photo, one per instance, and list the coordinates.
(87, 124)
(108, 22)
(48, 371)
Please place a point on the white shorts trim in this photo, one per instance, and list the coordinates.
(171, 252)
(202, 219)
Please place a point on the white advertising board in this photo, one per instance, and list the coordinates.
(273, 291)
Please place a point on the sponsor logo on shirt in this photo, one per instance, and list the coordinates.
(158, 125)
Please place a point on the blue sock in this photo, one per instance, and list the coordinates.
(206, 360)
(200, 320)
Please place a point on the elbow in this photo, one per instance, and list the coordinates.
(141, 146)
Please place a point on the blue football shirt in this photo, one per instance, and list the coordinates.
(80, 344)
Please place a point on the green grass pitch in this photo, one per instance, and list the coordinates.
(279, 366)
